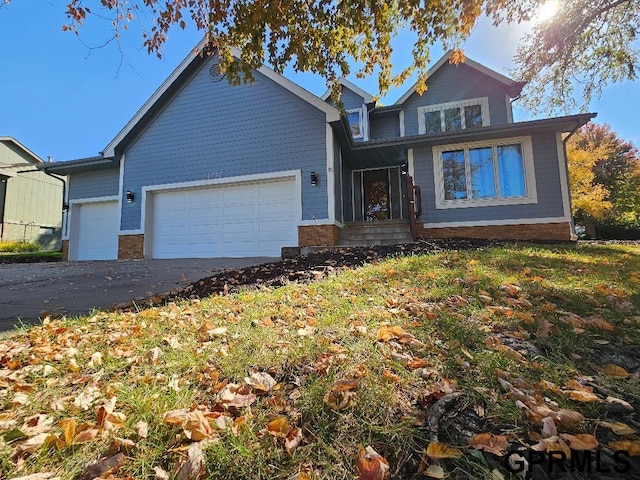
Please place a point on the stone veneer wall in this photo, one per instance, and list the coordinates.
(316, 235)
(130, 247)
(537, 231)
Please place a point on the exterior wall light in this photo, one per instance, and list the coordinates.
(314, 178)
(130, 196)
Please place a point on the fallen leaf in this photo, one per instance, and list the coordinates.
(632, 447)
(104, 466)
(340, 400)
(549, 427)
(582, 396)
(197, 426)
(569, 418)
(300, 476)
(618, 428)
(434, 471)
(614, 371)
(142, 429)
(261, 381)
(192, 467)
(176, 417)
(496, 444)
(388, 332)
(371, 465)
(292, 440)
(581, 441)
(87, 435)
(69, 430)
(439, 451)
(345, 384)
(278, 427)
(161, 474)
(38, 476)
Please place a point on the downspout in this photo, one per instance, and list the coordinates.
(566, 170)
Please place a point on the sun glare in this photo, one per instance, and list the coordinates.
(547, 10)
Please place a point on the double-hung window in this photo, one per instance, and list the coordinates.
(355, 122)
(497, 172)
(454, 116)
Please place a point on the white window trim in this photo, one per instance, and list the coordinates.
(359, 111)
(482, 101)
(529, 175)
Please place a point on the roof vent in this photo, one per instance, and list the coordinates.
(215, 72)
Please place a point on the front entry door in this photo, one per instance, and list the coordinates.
(375, 189)
(377, 194)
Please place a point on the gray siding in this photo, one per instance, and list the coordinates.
(212, 127)
(98, 183)
(547, 185)
(349, 99)
(455, 83)
(384, 127)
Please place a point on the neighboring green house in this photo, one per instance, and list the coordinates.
(30, 200)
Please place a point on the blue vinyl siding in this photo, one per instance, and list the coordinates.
(98, 183)
(384, 127)
(547, 185)
(214, 128)
(349, 99)
(456, 83)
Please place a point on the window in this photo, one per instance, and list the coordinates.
(355, 122)
(451, 117)
(498, 172)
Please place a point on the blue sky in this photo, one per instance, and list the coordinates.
(62, 99)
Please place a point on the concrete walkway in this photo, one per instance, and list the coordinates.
(29, 291)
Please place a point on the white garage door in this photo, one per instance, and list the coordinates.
(245, 220)
(97, 231)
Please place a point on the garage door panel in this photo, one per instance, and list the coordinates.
(236, 220)
(97, 231)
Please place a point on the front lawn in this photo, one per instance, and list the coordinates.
(420, 366)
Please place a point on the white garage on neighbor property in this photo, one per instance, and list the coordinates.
(235, 220)
(96, 231)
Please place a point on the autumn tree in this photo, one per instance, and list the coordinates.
(604, 175)
(588, 43)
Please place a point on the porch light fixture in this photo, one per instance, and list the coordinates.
(314, 178)
(130, 196)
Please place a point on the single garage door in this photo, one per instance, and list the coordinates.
(240, 220)
(97, 231)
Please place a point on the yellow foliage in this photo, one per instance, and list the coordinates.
(587, 197)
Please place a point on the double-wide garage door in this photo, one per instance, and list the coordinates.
(240, 220)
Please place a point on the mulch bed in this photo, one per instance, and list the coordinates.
(314, 266)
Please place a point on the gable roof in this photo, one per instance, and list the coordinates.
(368, 98)
(515, 87)
(178, 78)
(32, 157)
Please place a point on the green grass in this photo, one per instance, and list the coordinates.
(448, 303)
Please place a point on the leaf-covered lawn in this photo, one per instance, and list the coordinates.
(434, 365)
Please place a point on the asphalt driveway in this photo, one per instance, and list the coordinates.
(29, 291)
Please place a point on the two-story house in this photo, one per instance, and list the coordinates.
(205, 169)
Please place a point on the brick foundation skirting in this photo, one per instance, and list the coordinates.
(130, 247)
(537, 231)
(313, 235)
(65, 250)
